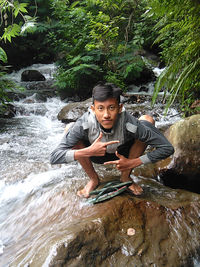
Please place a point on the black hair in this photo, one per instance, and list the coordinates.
(103, 91)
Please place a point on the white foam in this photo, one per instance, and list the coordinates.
(4, 147)
(19, 190)
(52, 253)
(1, 247)
(158, 71)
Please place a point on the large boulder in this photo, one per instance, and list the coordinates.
(185, 137)
(159, 228)
(32, 75)
(182, 169)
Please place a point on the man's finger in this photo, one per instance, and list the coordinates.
(111, 142)
(111, 162)
(99, 137)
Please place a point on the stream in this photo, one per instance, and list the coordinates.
(38, 200)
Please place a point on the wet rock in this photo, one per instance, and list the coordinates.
(182, 170)
(144, 89)
(146, 75)
(32, 75)
(185, 137)
(133, 88)
(73, 111)
(40, 85)
(7, 111)
(16, 96)
(165, 231)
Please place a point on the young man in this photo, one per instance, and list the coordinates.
(107, 134)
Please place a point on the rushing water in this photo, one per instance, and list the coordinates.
(33, 194)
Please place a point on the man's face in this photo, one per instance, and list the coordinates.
(106, 112)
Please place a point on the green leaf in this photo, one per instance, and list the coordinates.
(19, 8)
(11, 31)
(75, 60)
(3, 56)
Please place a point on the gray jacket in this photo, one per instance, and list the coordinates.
(125, 129)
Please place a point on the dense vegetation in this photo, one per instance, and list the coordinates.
(96, 40)
(179, 37)
(13, 22)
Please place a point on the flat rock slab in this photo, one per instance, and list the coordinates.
(164, 227)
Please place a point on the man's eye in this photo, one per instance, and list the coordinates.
(100, 108)
(112, 107)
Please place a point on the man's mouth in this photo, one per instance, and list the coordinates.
(107, 121)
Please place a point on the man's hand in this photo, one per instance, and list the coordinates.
(98, 148)
(124, 164)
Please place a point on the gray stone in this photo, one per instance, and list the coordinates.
(72, 111)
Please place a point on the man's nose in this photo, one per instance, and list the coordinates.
(106, 113)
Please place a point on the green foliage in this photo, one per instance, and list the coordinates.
(179, 38)
(3, 56)
(11, 31)
(80, 73)
(19, 8)
(116, 78)
(109, 29)
(10, 11)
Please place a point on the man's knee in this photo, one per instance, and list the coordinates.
(147, 118)
(80, 143)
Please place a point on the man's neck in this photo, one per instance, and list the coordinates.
(106, 130)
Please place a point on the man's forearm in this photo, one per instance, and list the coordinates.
(129, 163)
(136, 162)
(82, 153)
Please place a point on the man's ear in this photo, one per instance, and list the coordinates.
(92, 107)
(120, 108)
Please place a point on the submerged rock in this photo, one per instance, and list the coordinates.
(165, 224)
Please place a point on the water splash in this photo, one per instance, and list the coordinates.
(48, 70)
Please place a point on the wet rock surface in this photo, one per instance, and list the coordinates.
(182, 169)
(164, 223)
(185, 136)
(72, 111)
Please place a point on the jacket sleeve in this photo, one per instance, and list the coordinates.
(64, 152)
(150, 135)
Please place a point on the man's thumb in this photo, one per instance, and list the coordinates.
(118, 155)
